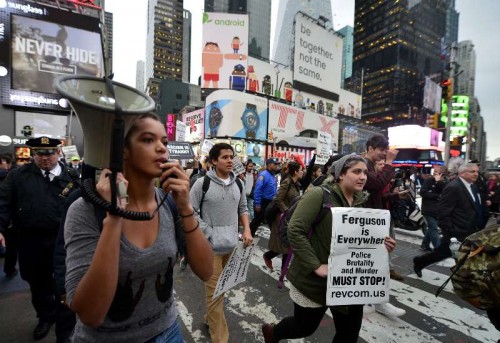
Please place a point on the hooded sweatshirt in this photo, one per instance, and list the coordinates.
(222, 207)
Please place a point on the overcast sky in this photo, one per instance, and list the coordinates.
(479, 22)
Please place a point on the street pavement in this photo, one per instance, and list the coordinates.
(428, 319)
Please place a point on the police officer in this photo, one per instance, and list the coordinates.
(33, 197)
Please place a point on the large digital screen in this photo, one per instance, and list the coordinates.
(39, 43)
(42, 51)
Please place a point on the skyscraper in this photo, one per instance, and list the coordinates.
(396, 44)
(347, 52)
(139, 76)
(186, 47)
(283, 39)
(164, 51)
(259, 14)
(466, 60)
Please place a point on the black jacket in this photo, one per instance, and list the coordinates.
(457, 211)
(430, 192)
(33, 204)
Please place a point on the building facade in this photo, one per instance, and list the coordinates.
(139, 76)
(284, 41)
(466, 60)
(186, 46)
(259, 15)
(347, 52)
(164, 43)
(397, 44)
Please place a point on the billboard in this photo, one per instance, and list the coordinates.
(318, 55)
(42, 51)
(459, 115)
(296, 127)
(194, 125)
(270, 79)
(225, 50)
(432, 95)
(39, 43)
(235, 114)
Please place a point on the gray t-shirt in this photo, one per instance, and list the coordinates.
(143, 306)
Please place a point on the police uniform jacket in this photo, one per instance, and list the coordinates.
(33, 204)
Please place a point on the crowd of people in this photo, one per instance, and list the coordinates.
(101, 277)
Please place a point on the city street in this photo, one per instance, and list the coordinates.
(429, 319)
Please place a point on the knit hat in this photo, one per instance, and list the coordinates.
(337, 166)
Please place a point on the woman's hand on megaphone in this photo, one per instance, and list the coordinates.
(173, 178)
(104, 186)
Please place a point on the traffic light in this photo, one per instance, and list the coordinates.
(434, 120)
(447, 89)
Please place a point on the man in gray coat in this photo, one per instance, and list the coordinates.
(218, 210)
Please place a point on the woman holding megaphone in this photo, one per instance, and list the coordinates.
(119, 277)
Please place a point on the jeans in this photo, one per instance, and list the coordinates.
(305, 321)
(215, 318)
(250, 207)
(432, 234)
(170, 335)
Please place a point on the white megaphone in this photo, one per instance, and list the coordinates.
(96, 108)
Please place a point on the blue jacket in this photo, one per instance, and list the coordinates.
(265, 187)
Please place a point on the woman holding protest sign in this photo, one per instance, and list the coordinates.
(309, 268)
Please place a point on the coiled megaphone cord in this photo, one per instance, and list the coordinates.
(90, 194)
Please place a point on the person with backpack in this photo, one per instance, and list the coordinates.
(310, 239)
(220, 203)
(266, 187)
(289, 189)
(119, 276)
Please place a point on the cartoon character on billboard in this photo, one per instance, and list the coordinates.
(321, 106)
(299, 100)
(237, 78)
(252, 81)
(329, 109)
(267, 86)
(212, 61)
(288, 91)
(235, 44)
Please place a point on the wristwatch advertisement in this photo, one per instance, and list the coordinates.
(214, 119)
(251, 121)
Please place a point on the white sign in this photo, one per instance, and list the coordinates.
(358, 266)
(235, 271)
(318, 55)
(194, 125)
(238, 167)
(206, 146)
(180, 131)
(70, 151)
(324, 147)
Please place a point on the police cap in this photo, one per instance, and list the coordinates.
(43, 145)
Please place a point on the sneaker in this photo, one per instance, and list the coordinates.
(395, 275)
(389, 310)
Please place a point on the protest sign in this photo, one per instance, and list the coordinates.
(69, 151)
(180, 150)
(235, 271)
(323, 148)
(180, 131)
(206, 146)
(358, 266)
(238, 167)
